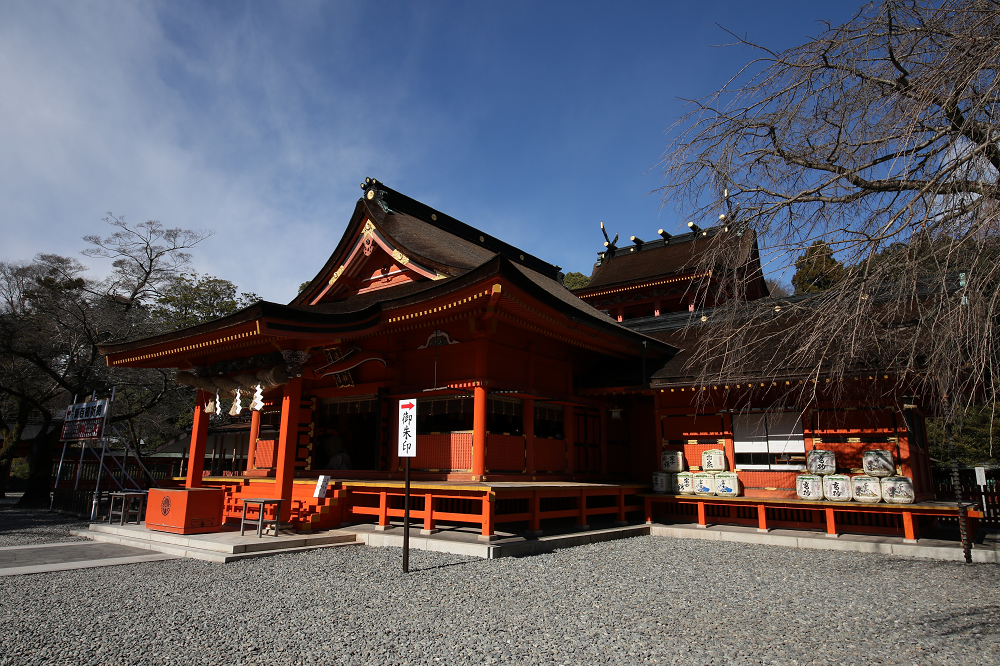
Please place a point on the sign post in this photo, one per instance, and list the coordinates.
(407, 449)
(84, 422)
(981, 482)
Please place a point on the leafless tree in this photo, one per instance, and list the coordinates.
(52, 320)
(880, 138)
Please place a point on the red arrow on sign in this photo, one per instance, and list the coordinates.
(408, 405)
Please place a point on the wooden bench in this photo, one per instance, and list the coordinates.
(826, 512)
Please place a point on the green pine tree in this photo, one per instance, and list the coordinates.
(817, 270)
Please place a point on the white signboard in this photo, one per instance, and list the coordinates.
(321, 483)
(980, 476)
(85, 420)
(407, 428)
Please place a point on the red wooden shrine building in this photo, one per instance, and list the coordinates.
(536, 408)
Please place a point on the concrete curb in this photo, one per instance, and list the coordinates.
(84, 564)
(545, 544)
(844, 543)
(216, 556)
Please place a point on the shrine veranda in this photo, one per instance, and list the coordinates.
(538, 409)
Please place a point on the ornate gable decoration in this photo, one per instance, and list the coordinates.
(373, 262)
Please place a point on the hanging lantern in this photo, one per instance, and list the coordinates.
(616, 413)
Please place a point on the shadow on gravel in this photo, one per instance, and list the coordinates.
(443, 566)
(25, 526)
(976, 621)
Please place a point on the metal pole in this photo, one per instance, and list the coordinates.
(137, 458)
(406, 520)
(58, 473)
(97, 485)
(125, 475)
(80, 466)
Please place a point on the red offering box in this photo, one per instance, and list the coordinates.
(185, 510)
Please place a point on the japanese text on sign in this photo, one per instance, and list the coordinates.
(407, 428)
(85, 420)
(86, 410)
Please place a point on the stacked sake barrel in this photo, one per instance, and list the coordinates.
(713, 479)
(878, 482)
(671, 463)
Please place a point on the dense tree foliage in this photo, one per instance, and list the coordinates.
(816, 270)
(574, 280)
(53, 316)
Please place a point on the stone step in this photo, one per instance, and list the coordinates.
(228, 542)
(217, 556)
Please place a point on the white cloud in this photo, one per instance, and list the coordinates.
(103, 110)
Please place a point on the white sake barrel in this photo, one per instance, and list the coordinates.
(674, 486)
(878, 462)
(897, 489)
(819, 461)
(866, 488)
(713, 460)
(727, 484)
(809, 487)
(704, 483)
(837, 487)
(672, 461)
(685, 483)
(660, 482)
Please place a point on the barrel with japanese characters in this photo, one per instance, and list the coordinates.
(713, 460)
(865, 488)
(878, 462)
(661, 482)
(704, 483)
(685, 483)
(727, 484)
(819, 461)
(809, 487)
(672, 461)
(837, 487)
(897, 490)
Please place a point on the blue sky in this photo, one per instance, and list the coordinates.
(531, 121)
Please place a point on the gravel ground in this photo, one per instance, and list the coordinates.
(23, 527)
(642, 600)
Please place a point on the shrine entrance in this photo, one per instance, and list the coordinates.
(349, 434)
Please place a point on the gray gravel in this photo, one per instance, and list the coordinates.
(23, 527)
(642, 600)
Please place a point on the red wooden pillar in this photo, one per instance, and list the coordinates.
(479, 410)
(479, 433)
(831, 523)
(528, 428)
(762, 518)
(727, 420)
(199, 438)
(702, 521)
(394, 463)
(287, 443)
(488, 500)
(428, 514)
(254, 435)
(570, 435)
(604, 440)
(909, 528)
(648, 505)
(621, 508)
(535, 523)
(383, 510)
